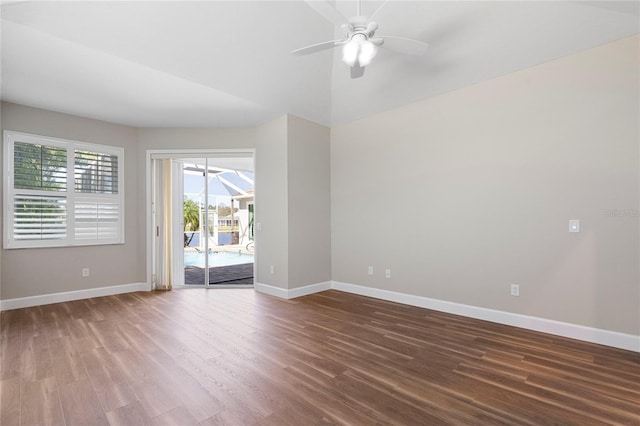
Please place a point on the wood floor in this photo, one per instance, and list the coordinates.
(237, 357)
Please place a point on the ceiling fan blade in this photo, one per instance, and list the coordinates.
(378, 9)
(329, 12)
(371, 28)
(357, 71)
(307, 50)
(405, 45)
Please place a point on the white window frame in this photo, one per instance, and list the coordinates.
(10, 138)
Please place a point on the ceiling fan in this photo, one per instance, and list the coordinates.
(360, 44)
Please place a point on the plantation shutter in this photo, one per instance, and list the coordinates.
(61, 193)
(39, 167)
(39, 170)
(96, 173)
(96, 206)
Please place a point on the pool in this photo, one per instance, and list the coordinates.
(222, 258)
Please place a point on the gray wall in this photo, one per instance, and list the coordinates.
(271, 215)
(31, 272)
(309, 203)
(1, 203)
(172, 138)
(465, 193)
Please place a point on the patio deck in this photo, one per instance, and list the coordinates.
(232, 248)
(223, 275)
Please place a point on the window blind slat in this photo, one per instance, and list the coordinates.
(96, 219)
(40, 167)
(39, 218)
(96, 173)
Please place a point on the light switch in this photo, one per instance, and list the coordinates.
(574, 225)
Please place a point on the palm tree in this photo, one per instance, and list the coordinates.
(191, 219)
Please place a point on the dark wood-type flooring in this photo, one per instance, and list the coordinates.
(238, 357)
(226, 275)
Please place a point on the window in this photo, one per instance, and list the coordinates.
(61, 193)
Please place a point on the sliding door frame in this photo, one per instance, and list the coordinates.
(153, 154)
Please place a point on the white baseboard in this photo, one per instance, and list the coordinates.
(594, 335)
(271, 290)
(46, 299)
(310, 289)
(294, 292)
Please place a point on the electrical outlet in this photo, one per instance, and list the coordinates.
(272, 269)
(574, 225)
(85, 272)
(370, 272)
(387, 273)
(515, 290)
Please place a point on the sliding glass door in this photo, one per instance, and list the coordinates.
(203, 220)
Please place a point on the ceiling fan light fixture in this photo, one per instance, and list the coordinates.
(359, 49)
(350, 52)
(367, 52)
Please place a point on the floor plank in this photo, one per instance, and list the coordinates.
(80, 404)
(10, 401)
(41, 403)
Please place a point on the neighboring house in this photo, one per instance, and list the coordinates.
(244, 216)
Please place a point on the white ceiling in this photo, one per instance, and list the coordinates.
(227, 63)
